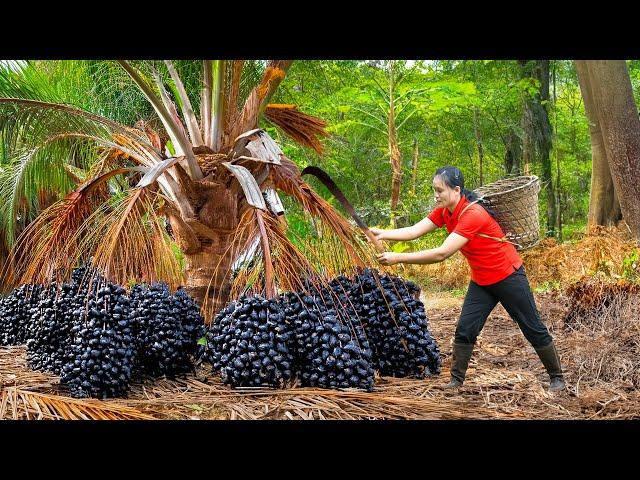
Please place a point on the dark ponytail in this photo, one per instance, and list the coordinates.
(452, 177)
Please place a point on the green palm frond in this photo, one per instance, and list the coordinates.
(99, 87)
(28, 175)
(166, 111)
(39, 138)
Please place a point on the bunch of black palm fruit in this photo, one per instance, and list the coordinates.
(194, 329)
(338, 334)
(15, 313)
(96, 337)
(249, 343)
(395, 322)
(49, 329)
(168, 329)
(330, 349)
(102, 348)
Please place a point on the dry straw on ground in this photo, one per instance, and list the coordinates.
(604, 322)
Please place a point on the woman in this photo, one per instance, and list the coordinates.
(497, 272)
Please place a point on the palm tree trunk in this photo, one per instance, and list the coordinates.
(205, 241)
(476, 130)
(414, 166)
(208, 280)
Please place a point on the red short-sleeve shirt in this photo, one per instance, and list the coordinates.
(490, 260)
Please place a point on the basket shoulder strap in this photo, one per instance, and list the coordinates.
(497, 239)
(465, 208)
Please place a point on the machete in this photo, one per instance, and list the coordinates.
(333, 188)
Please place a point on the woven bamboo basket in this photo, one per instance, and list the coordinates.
(514, 201)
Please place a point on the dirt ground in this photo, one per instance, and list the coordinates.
(505, 380)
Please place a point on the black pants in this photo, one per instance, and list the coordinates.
(515, 296)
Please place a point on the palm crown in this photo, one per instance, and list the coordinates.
(195, 171)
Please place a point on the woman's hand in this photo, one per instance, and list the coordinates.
(378, 233)
(389, 258)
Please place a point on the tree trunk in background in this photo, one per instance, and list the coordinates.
(513, 153)
(612, 97)
(476, 130)
(414, 166)
(604, 208)
(394, 154)
(556, 150)
(537, 128)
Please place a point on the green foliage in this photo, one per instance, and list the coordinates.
(553, 285)
(446, 107)
(178, 254)
(439, 102)
(631, 266)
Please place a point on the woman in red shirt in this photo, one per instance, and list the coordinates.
(497, 272)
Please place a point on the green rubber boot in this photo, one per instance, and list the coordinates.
(460, 357)
(551, 361)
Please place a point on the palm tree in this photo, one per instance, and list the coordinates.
(187, 194)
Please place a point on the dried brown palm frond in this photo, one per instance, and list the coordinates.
(130, 242)
(271, 78)
(267, 262)
(233, 90)
(302, 128)
(246, 120)
(48, 242)
(286, 177)
(18, 404)
(291, 265)
(4, 257)
(255, 103)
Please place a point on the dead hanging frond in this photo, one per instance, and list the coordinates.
(125, 237)
(48, 246)
(286, 177)
(130, 242)
(255, 102)
(302, 128)
(273, 75)
(233, 91)
(247, 119)
(266, 262)
(18, 404)
(269, 281)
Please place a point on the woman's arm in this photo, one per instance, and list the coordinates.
(451, 245)
(407, 233)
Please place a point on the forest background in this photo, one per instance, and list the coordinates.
(392, 123)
